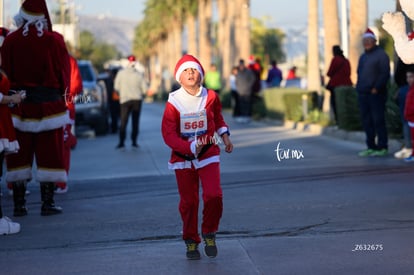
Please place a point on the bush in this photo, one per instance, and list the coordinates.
(349, 116)
(286, 103)
(347, 109)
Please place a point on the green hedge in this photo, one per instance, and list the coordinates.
(349, 116)
(286, 103)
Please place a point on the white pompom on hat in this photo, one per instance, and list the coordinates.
(186, 62)
(34, 12)
(369, 34)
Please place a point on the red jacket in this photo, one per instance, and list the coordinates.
(75, 87)
(409, 105)
(339, 72)
(39, 65)
(171, 130)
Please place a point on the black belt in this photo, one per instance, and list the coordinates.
(192, 157)
(41, 94)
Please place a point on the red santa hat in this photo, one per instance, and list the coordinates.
(369, 34)
(186, 62)
(3, 33)
(410, 35)
(34, 12)
(131, 58)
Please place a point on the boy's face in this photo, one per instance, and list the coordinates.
(410, 78)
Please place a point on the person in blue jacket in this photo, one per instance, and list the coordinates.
(373, 75)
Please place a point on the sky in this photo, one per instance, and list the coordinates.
(282, 13)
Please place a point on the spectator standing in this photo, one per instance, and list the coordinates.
(256, 67)
(373, 74)
(191, 119)
(339, 73)
(245, 80)
(291, 73)
(36, 60)
(212, 79)
(131, 86)
(409, 107)
(234, 92)
(274, 75)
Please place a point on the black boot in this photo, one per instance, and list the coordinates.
(47, 190)
(19, 192)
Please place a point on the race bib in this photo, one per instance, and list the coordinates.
(193, 124)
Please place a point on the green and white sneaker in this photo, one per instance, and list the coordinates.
(366, 153)
(380, 153)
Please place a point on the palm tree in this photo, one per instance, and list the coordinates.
(314, 82)
(358, 22)
(331, 27)
(205, 12)
(332, 37)
(226, 9)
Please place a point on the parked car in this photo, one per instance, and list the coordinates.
(91, 106)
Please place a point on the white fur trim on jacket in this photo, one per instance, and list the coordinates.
(39, 125)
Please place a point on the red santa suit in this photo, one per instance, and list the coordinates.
(36, 60)
(70, 139)
(187, 120)
(8, 141)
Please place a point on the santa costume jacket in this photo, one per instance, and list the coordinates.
(189, 119)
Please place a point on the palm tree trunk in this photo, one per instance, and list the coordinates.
(205, 9)
(332, 37)
(191, 35)
(358, 22)
(314, 80)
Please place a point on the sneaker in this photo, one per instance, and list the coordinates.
(380, 153)
(192, 250)
(366, 153)
(8, 227)
(135, 145)
(409, 159)
(210, 247)
(403, 153)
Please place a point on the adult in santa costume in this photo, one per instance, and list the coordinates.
(8, 141)
(36, 60)
(191, 118)
(68, 137)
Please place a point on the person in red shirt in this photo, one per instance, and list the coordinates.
(36, 60)
(191, 119)
(339, 73)
(409, 106)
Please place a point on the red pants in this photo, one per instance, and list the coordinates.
(188, 181)
(47, 149)
(412, 138)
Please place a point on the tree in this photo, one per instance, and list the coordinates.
(314, 80)
(97, 52)
(358, 22)
(266, 42)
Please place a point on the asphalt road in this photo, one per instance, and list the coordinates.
(294, 203)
